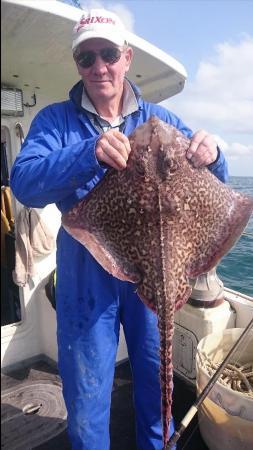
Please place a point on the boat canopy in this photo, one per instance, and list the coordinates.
(36, 53)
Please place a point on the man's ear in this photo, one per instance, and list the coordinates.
(129, 56)
(79, 69)
(77, 66)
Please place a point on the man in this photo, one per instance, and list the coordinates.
(67, 150)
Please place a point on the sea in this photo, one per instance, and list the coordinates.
(236, 268)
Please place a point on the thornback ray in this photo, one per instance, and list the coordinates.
(158, 223)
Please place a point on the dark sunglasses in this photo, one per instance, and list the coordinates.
(109, 55)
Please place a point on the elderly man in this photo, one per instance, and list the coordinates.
(67, 151)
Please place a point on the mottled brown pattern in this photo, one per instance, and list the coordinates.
(156, 223)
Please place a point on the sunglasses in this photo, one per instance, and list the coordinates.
(109, 55)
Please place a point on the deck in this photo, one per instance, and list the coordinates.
(122, 427)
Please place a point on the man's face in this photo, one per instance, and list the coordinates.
(104, 81)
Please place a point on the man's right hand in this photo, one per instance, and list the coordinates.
(113, 148)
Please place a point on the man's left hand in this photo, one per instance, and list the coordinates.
(203, 149)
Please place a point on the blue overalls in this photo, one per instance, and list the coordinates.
(57, 164)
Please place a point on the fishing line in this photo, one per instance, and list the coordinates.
(248, 234)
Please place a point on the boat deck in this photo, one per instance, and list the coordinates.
(122, 427)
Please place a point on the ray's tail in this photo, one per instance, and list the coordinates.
(166, 328)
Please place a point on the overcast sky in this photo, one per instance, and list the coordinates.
(213, 39)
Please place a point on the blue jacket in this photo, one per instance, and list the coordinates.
(57, 162)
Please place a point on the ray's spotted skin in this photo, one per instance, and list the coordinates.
(157, 223)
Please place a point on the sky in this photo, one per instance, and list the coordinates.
(213, 39)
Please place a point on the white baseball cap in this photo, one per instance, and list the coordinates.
(99, 23)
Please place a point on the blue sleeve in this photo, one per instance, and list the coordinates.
(46, 171)
(220, 167)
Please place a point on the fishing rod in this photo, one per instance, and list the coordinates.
(194, 408)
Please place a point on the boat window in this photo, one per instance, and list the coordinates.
(10, 298)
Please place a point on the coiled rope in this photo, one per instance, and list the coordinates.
(236, 376)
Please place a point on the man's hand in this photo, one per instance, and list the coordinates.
(203, 149)
(113, 148)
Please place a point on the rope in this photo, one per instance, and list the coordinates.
(236, 376)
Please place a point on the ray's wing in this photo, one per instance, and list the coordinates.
(117, 223)
(216, 217)
(103, 223)
(207, 216)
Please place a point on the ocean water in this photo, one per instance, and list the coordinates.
(236, 268)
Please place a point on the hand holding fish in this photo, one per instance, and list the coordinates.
(113, 148)
(203, 149)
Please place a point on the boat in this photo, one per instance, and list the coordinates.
(37, 69)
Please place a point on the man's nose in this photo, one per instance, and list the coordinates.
(99, 65)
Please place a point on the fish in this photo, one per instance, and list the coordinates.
(159, 223)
